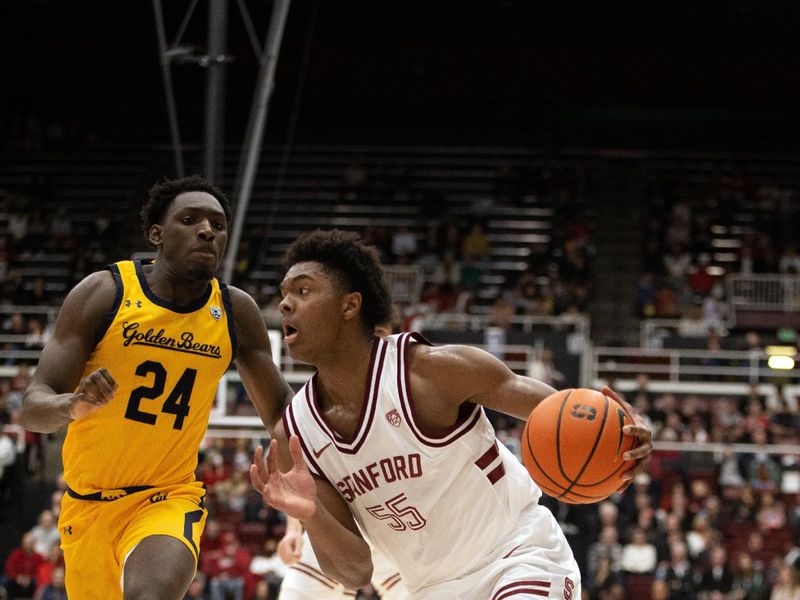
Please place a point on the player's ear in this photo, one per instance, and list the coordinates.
(351, 305)
(154, 234)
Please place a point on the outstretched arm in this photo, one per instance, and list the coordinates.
(286, 484)
(455, 374)
(266, 387)
(57, 394)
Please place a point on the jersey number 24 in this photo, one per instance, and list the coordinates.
(177, 402)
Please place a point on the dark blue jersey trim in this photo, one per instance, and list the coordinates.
(178, 308)
(228, 305)
(103, 326)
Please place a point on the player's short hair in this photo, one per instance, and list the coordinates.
(354, 265)
(164, 192)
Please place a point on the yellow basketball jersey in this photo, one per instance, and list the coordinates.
(167, 361)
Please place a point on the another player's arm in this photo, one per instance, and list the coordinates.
(266, 387)
(57, 394)
(291, 545)
(454, 374)
(285, 483)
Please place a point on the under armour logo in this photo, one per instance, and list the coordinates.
(138, 303)
(67, 530)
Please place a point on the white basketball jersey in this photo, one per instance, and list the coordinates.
(436, 505)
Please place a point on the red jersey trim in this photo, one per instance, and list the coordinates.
(367, 410)
(465, 421)
(290, 425)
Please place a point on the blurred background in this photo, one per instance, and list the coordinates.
(595, 193)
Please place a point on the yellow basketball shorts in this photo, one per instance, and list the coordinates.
(97, 535)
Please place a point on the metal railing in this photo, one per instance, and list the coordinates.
(404, 281)
(774, 293)
(749, 367)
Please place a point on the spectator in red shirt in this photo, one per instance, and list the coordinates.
(19, 572)
(227, 570)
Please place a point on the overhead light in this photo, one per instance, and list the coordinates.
(781, 350)
(781, 362)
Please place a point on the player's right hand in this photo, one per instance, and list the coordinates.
(293, 492)
(290, 547)
(93, 393)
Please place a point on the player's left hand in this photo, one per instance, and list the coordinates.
(644, 446)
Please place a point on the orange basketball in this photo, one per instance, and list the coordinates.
(572, 445)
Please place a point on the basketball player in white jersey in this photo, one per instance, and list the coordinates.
(305, 580)
(390, 438)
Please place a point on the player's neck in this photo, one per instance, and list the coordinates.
(341, 379)
(166, 285)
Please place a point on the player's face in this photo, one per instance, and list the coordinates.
(311, 311)
(194, 234)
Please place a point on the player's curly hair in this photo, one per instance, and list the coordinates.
(162, 194)
(354, 265)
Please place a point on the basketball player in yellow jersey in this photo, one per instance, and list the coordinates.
(132, 369)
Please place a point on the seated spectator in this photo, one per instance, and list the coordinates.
(606, 547)
(716, 576)
(542, 368)
(227, 569)
(268, 566)
(475, 244)
(19, 571)
(638, 556)
(763, 471)
(45, 533)
(45, 573)
(772, 513)
(404, 245)
(787, 587)
(749, 581)
(606, 582)
(54, 590)
(677, 573)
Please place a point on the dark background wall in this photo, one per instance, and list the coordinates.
(708, 74)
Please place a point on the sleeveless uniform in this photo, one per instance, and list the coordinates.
(304, 580)
(129, 466)
(456, 512)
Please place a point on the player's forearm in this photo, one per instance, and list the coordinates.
(43, 410)
(293, 525)
(342, 554)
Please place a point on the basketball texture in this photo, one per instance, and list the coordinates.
(572, 445)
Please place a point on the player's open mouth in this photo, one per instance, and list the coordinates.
(289, 333)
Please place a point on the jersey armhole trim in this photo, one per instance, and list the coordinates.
(228, 305)
(112, 313)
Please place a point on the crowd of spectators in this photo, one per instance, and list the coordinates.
(697, 233)
(700, 526)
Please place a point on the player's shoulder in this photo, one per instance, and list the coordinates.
(92, 298)
(99, 286)
(241, 299)
(430, 357)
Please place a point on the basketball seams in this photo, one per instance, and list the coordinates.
(536, 462)
(596, 443)
(558, 437)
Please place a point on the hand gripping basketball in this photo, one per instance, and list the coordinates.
(293, 492)
(639, 429)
